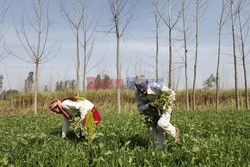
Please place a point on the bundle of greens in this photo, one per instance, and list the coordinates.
(84, 130)
(78, 127)
(163, 102)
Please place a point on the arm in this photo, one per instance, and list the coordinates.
(83, 112)
(141, 106)
(84, 108)
(76, 108)
(140, 103)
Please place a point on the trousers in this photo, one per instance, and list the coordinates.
(163, 125)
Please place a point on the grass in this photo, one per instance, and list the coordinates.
(208, 138)
(106, 99)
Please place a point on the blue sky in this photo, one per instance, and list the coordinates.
(137, 47)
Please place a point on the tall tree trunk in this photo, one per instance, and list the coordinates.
(36, 88)
(185, 51)
(170, 45)
(37, 55)
(245, 82)
(84, 61)
(75, 23)
(157, 57)
(217, 72)
(221, 23)
(77, 51)
(78, 64)
(196, 51)
(118, 69)
(156, 41)
(170, 22)
(117, 7)
(235, 58)
(118, 75)
(170, 60)
(243, 59)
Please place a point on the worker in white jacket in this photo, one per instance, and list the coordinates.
(72, 107)
(145, 94)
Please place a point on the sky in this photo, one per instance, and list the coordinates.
(137, 46)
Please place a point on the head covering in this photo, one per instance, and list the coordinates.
(58, 104)
(139, 81)
(53, 105)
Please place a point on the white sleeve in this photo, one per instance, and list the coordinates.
(80, 106)
(83, 112)
(65, 127)
(84, 108)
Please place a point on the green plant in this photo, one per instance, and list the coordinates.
(208, 138)
(163, 102)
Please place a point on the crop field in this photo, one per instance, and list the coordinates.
(207, 139)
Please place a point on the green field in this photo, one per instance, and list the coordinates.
(207, 139)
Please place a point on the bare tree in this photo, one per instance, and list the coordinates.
(157, 25)
(118, 12)
(232, 12)
(88, 41)
(200, 7)
(37, 48)
(242, 26)
(184, 29)
(222, 20)
(75, 22)
(170, 22)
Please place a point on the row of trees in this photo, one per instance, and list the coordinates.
(41, 52)
(170, 13)
(231, 13)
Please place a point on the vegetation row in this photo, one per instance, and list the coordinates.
(106, 100)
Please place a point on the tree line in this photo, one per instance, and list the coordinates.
(172, 16)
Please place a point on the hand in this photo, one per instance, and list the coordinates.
(151, 105)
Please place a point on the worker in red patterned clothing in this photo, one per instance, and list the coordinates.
(72, 107)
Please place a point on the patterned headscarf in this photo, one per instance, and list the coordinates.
(58, 104)
(53, 105)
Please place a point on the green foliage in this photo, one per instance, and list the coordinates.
(102, 82)
(28, 84)
(86, 131)
(78, 127)
(207, 139)
(209, 83)
(65, 85)
(164, 102)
